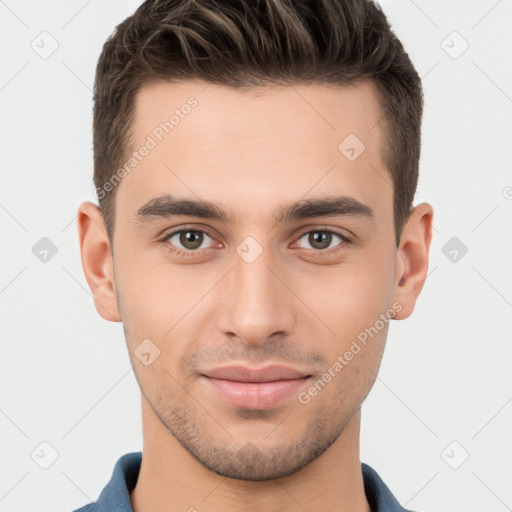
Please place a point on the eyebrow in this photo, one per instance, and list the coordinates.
(167, 206)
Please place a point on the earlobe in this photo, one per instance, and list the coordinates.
(412, 258)
(97, 260)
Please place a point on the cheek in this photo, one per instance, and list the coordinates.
(152, 292)
(350, 297)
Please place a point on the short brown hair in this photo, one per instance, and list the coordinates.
(251, 43)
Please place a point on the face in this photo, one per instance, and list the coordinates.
(254, 265)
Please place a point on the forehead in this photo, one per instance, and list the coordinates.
(297, 110)
(269, 144)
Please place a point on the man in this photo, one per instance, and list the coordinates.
(255, 165)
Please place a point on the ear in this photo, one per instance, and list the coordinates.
(412, 258)
(97, 260)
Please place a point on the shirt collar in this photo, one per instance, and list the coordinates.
(377, 492)
(116, 494)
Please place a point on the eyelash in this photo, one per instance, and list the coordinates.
(317, 252)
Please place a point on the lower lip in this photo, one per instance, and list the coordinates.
(256, 395)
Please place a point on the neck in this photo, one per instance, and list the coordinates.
(172, 480)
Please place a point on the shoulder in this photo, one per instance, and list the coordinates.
(115, 496)
(379, 496)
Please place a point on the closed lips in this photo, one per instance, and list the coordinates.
(254, 388)
(244, 374)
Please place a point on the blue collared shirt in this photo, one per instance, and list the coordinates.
(115, 497)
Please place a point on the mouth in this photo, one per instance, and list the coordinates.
(260, 388)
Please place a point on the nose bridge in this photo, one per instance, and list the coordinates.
(254, 302)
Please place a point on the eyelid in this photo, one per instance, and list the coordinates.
(341, 232)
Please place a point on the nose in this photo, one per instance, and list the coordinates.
(255, 301)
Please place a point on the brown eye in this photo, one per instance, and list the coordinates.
(188, 239)
(321, 239)
(191, 239)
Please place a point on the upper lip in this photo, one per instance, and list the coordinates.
(239, 373)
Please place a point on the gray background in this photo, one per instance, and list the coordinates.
(444, 391)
